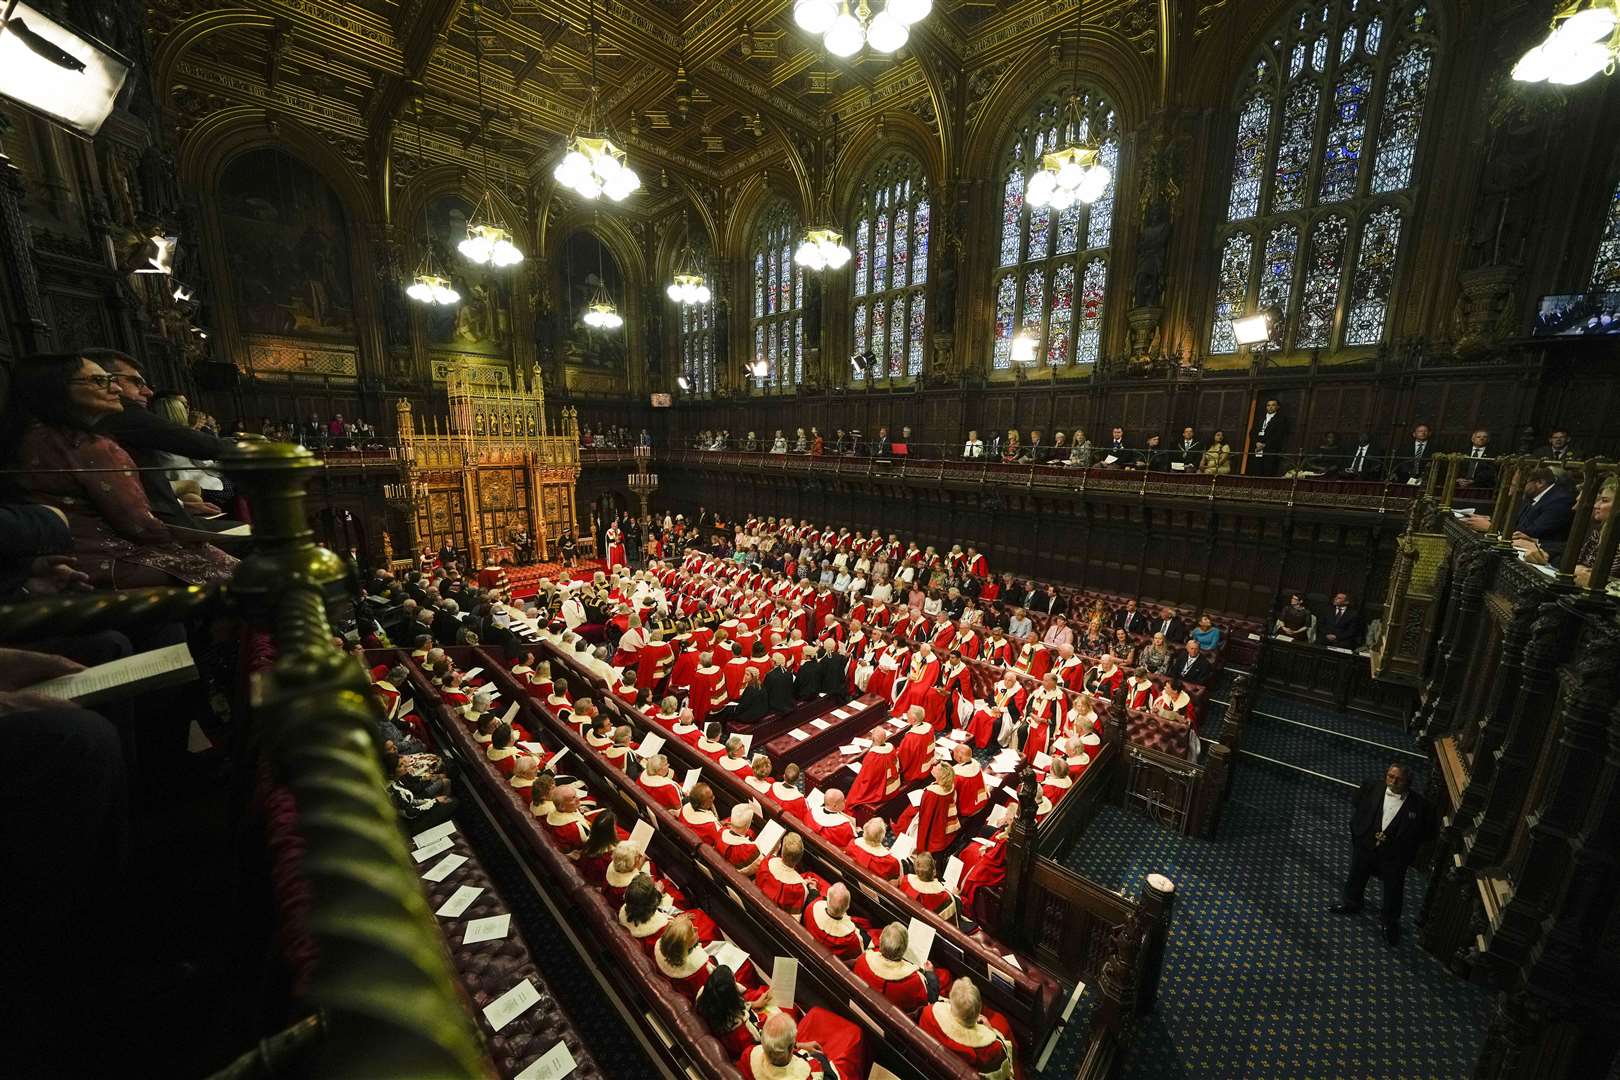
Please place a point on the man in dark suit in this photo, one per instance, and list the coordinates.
(1269, 441)
(779, 685)
(1116, 448)
(1557, 447)
(1341, 625)
(835, 673)
(1152, 457)
(1129, 619)
(1189, 452)
(1171, 625)
(446, 625)
(1387, 826)
(1412, 461)
(1477, 470)
(1191, 666)
(147, 436)
(1362, 462)
(1048, 602)
(1546, 513)
(807, 680)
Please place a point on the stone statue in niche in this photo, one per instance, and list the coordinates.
(722, 333)
(812, 311)
(1152, 247)
(395, 318)
(1516, 157)
(945, 293)
(654, 343)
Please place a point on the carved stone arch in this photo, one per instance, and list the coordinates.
(222, 136)
(668, 247)
(941, 94)
(455, 180)
(800, 169)
(612, 231)
(753, 199)
(166, 63)
(1109, 65)
(705, 219)
(901, 131)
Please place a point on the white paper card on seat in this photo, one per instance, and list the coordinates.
(473, 673)
(728, 953)
(692, 777)
(555, 1064)
(459, 901)
(999, 814)
(784, 981)
(898, 721)
(862, 743)
(641, 834)
(953, 873)
(993, 781)
(437, 847)
(799, 734)
(650, 746)
(1178, 466)
(815, 799)
(444, 868)
(438, 832)
(511, 1005)
(919, 941)
(903, 846)
(915, 796)
(821, 723)
(1013, 960)
(769, 837)
(850, 750)
(487, 929)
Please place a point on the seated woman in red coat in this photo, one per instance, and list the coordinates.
(737, 845)
(1175, 700)
(681, 959)
(886, 970)
(501, 752)
(960, 1026)
(758, 777)
(735, 1016)
(595, 856)
(867, 850)
(656, 781)
(923, 885)
(828, 921)
(780, 879)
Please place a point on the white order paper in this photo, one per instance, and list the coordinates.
(555, 1064)
(769, 837)
(915, 797)
(437, 847)
(459, 901)
(641, 834)
(821, 723)
(953, 873)
(784, 981)
(799, 734)
(903, 846)
(444, 867)
(729, 954)
(691, 778)
(438, 832)
(919, 941)
(473, 673)
(511, 1005)
(489, 928)
(815, 799)
(404, 708)
(998, 815)
(650, 746)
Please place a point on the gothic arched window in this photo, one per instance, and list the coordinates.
(697, 338)
(1606, 264)
(778, 322)
(1051, 276)
(1328, 118)
(889, 272)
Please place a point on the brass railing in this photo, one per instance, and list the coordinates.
(380, 987)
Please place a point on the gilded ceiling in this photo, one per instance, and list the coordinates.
(708, 92)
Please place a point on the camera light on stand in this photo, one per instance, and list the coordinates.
(682, 382)
(44, 66)
(181, 293)
(1252, 329)
(759, 369)
(159, 255)
(1023, 348)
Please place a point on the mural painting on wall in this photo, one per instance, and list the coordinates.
(287, 243)
(482, 322)
(588, 265)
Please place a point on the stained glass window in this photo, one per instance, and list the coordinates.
(1006, 311)
(1231, 291)
(896, 249)
(697, 340)
(1371, 284)
(1319, 302)
(1339, 82)
(1606, 266)
(778, 298)
(1049, 258)
(1249, 159)
(1402, 116)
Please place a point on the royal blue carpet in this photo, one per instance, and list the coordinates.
(1260, 979)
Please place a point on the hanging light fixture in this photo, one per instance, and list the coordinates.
(1584, 40)
(428, 285)
(689, 286)
(1075, 173)
(844, 30)
(600, 314)
(823, 246)
(594, 164)
(489, 241)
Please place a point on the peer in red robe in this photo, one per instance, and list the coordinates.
(786, 794)
(615, 548)
(830, 822)
(828, 921)
(937, 821)
(708, 689)
(737, 845)
(699, 816)
(780, 880)
(983, 723)
(970, 790)
(660, 785)
(923, 886)
(867, 851)
(879, 775)
(916, 754)
(1070, 669)
(887, 660)
(959, 1026)
(681, 959)
(1057, 781)
(566, 826)
(1105, 679)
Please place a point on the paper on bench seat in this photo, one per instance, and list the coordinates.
(459, 901)
(437, 847)
(555, 1064)
(444, 867)
(438, 832)
(850, 751)
(821, 724)
(511, 1005)
(799, 734)
(491, 928)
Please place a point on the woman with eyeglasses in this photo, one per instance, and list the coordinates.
(55, 456)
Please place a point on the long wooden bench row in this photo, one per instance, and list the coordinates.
(1029, 1000)
(709, 882)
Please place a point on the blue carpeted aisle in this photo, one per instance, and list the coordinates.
(1260, 979)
